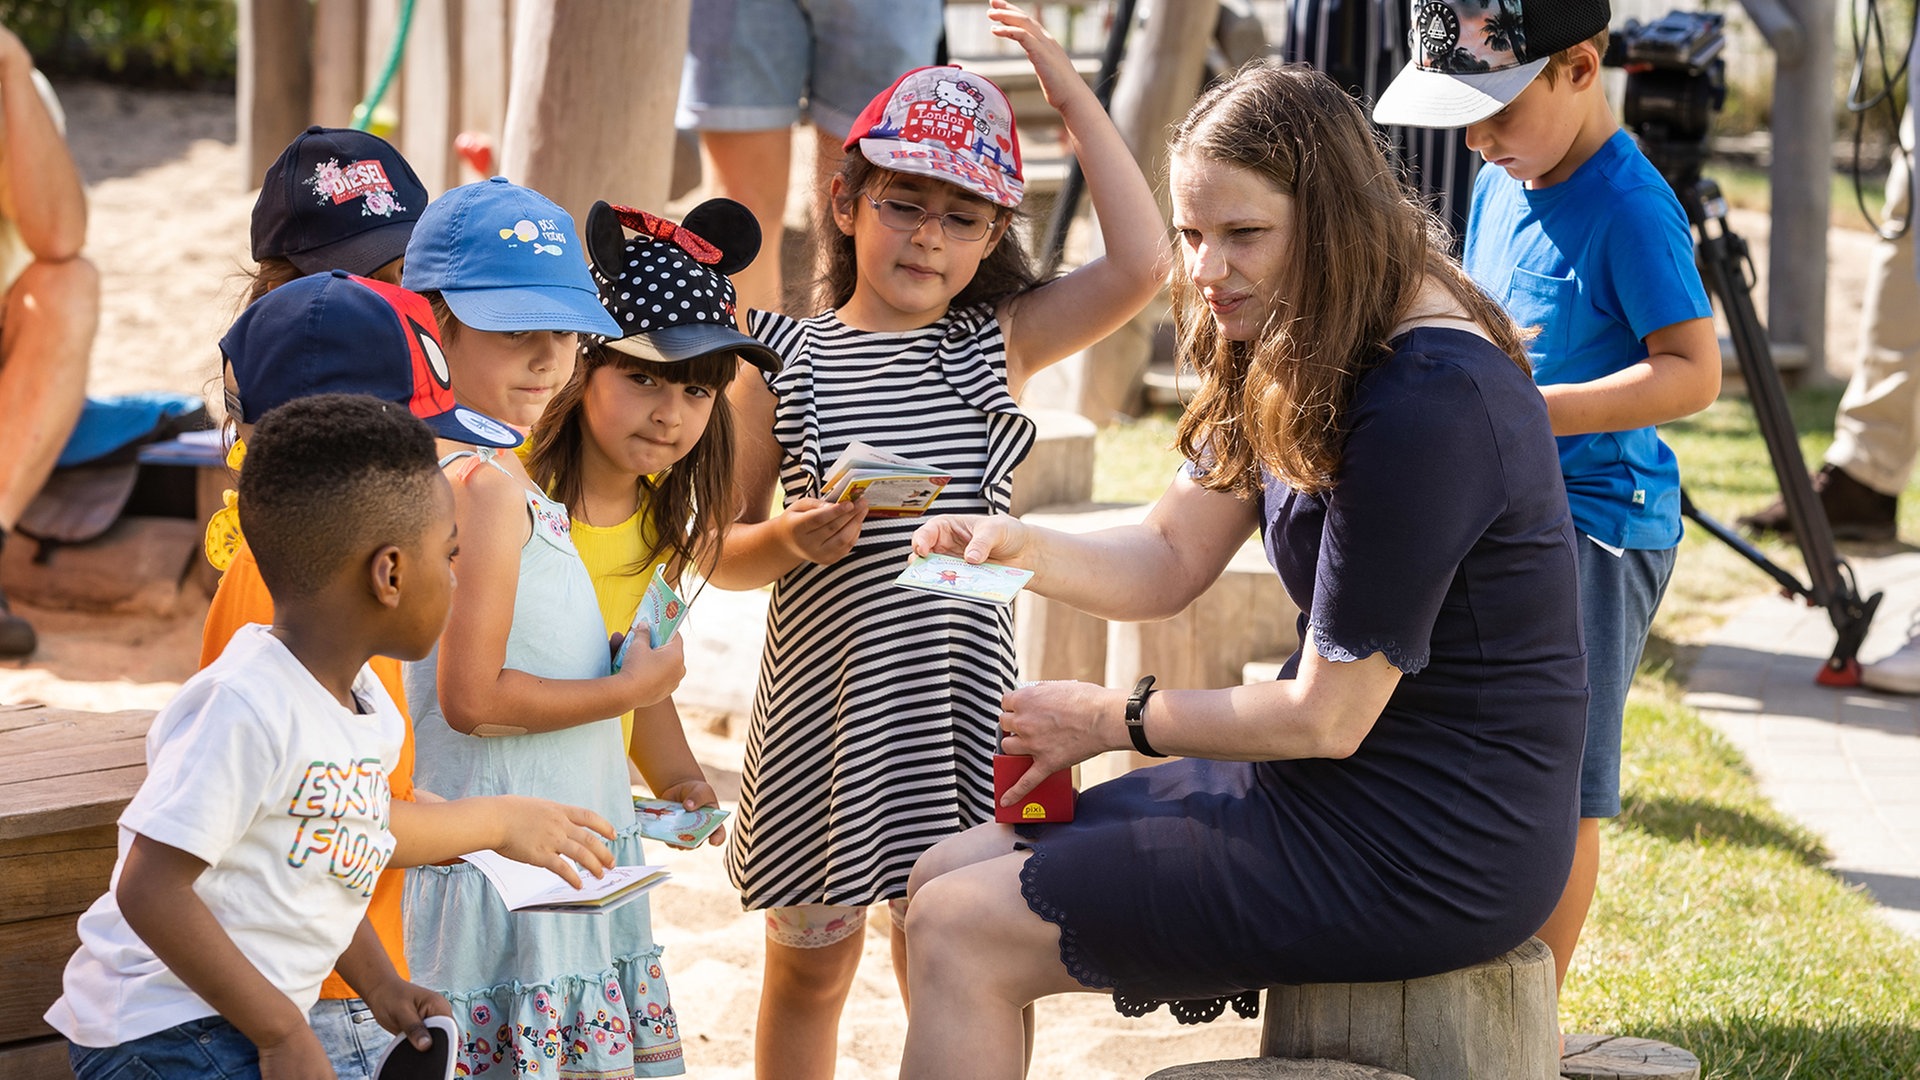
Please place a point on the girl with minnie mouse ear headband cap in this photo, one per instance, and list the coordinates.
(639, 443)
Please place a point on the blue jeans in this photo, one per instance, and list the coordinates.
(205, 1049)
(1618, 596)
(353, 1041)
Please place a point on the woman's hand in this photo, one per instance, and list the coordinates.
(1059, 81)
(976, 538)
(402, 1008)
(694, 794)
(555, 836)
(822, 532)
(1059, 725)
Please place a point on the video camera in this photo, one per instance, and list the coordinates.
(1676, 81)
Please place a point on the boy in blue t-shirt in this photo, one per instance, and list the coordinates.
(1580, 237)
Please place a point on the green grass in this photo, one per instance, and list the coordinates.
(1715, 927)
(1748, 188)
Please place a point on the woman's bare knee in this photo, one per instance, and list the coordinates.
(978, 844)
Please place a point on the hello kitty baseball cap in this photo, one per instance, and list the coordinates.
(946, 123)
(504, 257)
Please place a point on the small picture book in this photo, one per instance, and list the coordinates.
(675, 825)
(535, 888)
(950, 576)
(894, 486)
(660, 612)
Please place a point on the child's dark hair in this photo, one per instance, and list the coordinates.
(1005, 272)
(690, 504)
(329, 479)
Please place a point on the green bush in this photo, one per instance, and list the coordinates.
(173, 42)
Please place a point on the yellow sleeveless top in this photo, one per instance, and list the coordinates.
(610, 553)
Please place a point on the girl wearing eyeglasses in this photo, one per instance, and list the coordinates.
(873, 726)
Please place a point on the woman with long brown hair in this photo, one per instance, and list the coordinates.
(1401, 800)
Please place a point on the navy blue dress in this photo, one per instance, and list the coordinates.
(1446, 839)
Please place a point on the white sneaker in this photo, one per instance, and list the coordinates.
(1897, 673)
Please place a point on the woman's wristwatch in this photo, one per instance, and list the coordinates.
(1136, 716)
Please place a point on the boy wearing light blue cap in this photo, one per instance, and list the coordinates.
(519, 696)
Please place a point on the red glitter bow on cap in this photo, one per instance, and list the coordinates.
(661, 229)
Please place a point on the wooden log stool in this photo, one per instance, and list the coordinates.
(70, 774)
(1493, 1020)
(1618, 1057)
(1277, 1069)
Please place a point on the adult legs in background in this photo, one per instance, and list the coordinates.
(51, 313)
(1876, 431)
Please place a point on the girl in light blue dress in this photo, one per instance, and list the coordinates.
(519, 696)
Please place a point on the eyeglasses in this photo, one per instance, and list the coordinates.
(907, 217)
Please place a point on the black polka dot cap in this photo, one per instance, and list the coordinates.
(667, 288)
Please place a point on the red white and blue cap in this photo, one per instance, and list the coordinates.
(1470, 59)
(504, 257)
(946, 123)
(334, 333)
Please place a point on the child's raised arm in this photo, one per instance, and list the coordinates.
(156, 896)
(1068, 314)
(479, 694)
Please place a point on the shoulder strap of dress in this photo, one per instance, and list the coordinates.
(479, 455)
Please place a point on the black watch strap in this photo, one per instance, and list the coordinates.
(1136, 716)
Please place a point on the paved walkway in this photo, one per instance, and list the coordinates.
(1846, 763)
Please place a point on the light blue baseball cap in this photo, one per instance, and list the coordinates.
(505, 257)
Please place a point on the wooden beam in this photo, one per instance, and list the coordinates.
(431, 114)
(274, 81)
(590, 104)
(1801, 177)
(339, 60)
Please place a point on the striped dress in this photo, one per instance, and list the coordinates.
(873, 725)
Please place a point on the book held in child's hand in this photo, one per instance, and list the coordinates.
(660, 612)
(894, 486)
(535, 888)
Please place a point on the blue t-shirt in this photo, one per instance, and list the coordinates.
(1597, 262)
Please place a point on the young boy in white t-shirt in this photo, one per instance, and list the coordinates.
(248, 855)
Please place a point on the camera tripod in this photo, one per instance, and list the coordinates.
(1727, 272)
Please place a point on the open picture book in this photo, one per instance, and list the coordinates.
(534, 888)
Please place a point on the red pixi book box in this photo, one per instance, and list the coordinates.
(1051, 801)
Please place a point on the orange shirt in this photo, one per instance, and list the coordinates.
(242, 598)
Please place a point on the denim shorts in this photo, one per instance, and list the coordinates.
(1618, 596)
(205, 1049)
(352, 1038)
(750, 63)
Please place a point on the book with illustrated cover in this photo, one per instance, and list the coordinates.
(675, 825)
(535, 888)
(660, 611)
(894, 486)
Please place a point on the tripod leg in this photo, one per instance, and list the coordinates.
(1722, 256)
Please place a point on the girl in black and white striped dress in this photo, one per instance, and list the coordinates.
(873, 726)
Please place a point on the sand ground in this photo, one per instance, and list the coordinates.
(169, 227)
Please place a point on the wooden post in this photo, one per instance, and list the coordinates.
(1276, 1069)
(1059, 469)
(339, 61)
(430, 117)
(1493, 1019)
(486, 39)
(1801, 177)
(382, 22)
(274, 77)
(1158, 81)
(590, 105)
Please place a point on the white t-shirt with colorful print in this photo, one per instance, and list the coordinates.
(258, 771)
